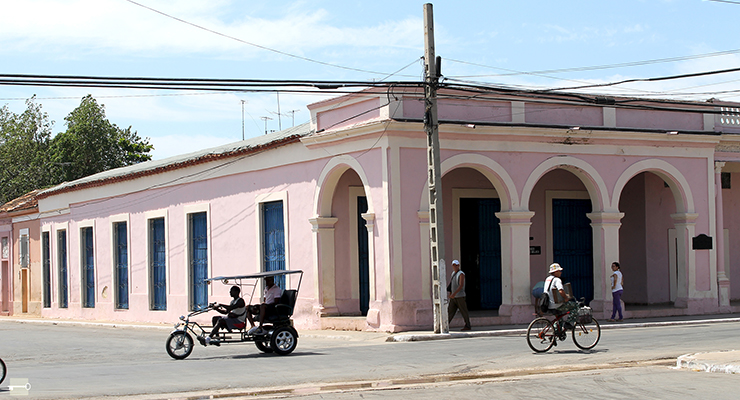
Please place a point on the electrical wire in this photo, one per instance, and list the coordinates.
(256, 45)
(662, 78)
(591, 68)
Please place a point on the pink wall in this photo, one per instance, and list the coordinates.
(659, 205)
(348, 115)
(563, 115)
(632, 244)
(663, 120)
(731, 201)
(234, 245)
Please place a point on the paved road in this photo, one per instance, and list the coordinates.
(656, 382)
(73, 361)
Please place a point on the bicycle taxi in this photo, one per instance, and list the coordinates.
(279, 335)
(543, 332)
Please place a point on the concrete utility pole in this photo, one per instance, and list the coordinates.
(436, 228)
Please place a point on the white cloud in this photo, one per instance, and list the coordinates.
(94, 26)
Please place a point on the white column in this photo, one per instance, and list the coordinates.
(516, 298)
(370, 225)
(605, 231)
(685, 258)
(723, 282)
(324, 272)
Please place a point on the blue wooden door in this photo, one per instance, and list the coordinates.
(273, 239)
(363, 253)
(121, 265)
(480, 248)
(199, 260)
(573, 244)
(158, 264)
(489, 245)
(63, 278)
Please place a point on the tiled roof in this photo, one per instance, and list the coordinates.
(27, 202)
(241, 148)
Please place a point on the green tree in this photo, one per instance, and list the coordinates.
(24, 143)
(92, 144)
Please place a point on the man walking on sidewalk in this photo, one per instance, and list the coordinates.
(456, 293)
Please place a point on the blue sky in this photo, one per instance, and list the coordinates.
(483, 41)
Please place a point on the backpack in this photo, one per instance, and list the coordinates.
(542, 302)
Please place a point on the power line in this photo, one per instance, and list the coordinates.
(590, 68)
(254, 44)
(662, 78)
(725, 1)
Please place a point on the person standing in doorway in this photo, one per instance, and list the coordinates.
(456, 293)
(617, 280)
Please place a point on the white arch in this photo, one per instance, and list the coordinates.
(493, 171)
(675, 179)
(328, 179)
(590, 177)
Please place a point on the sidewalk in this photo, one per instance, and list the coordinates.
(721, 361)
(504, 330)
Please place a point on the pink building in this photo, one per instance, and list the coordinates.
(527, 180)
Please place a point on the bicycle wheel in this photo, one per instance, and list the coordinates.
(540, 335)
(179, 345)
(3, 370)
(585, 336)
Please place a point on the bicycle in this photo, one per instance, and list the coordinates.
(3, 370)
(543, 334)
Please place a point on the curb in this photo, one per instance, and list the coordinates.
(695, 363)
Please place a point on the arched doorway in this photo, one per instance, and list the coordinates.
(561, 229)
(473, 203)
(648, 241)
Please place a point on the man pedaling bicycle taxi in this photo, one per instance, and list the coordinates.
(236, 316)
(554, 282)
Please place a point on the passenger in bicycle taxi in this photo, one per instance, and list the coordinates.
(554, 282)
(236, 314)
(270, 297)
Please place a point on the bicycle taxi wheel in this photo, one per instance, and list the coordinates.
(540, 335)
(3, 370)
(587, 335)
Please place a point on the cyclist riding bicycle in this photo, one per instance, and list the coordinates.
(568, 304)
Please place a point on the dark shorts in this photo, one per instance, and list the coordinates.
(233, 323)
(269, 309)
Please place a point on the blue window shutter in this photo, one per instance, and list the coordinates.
(121, 250)
(199, 259)
(273, 239)
(63, 276)
(158, 261)
(46, 256)
(88, 268)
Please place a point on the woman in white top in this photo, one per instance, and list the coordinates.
(617, 281)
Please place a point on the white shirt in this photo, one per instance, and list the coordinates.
(272, 294)
(553, 282)
(618, 276)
